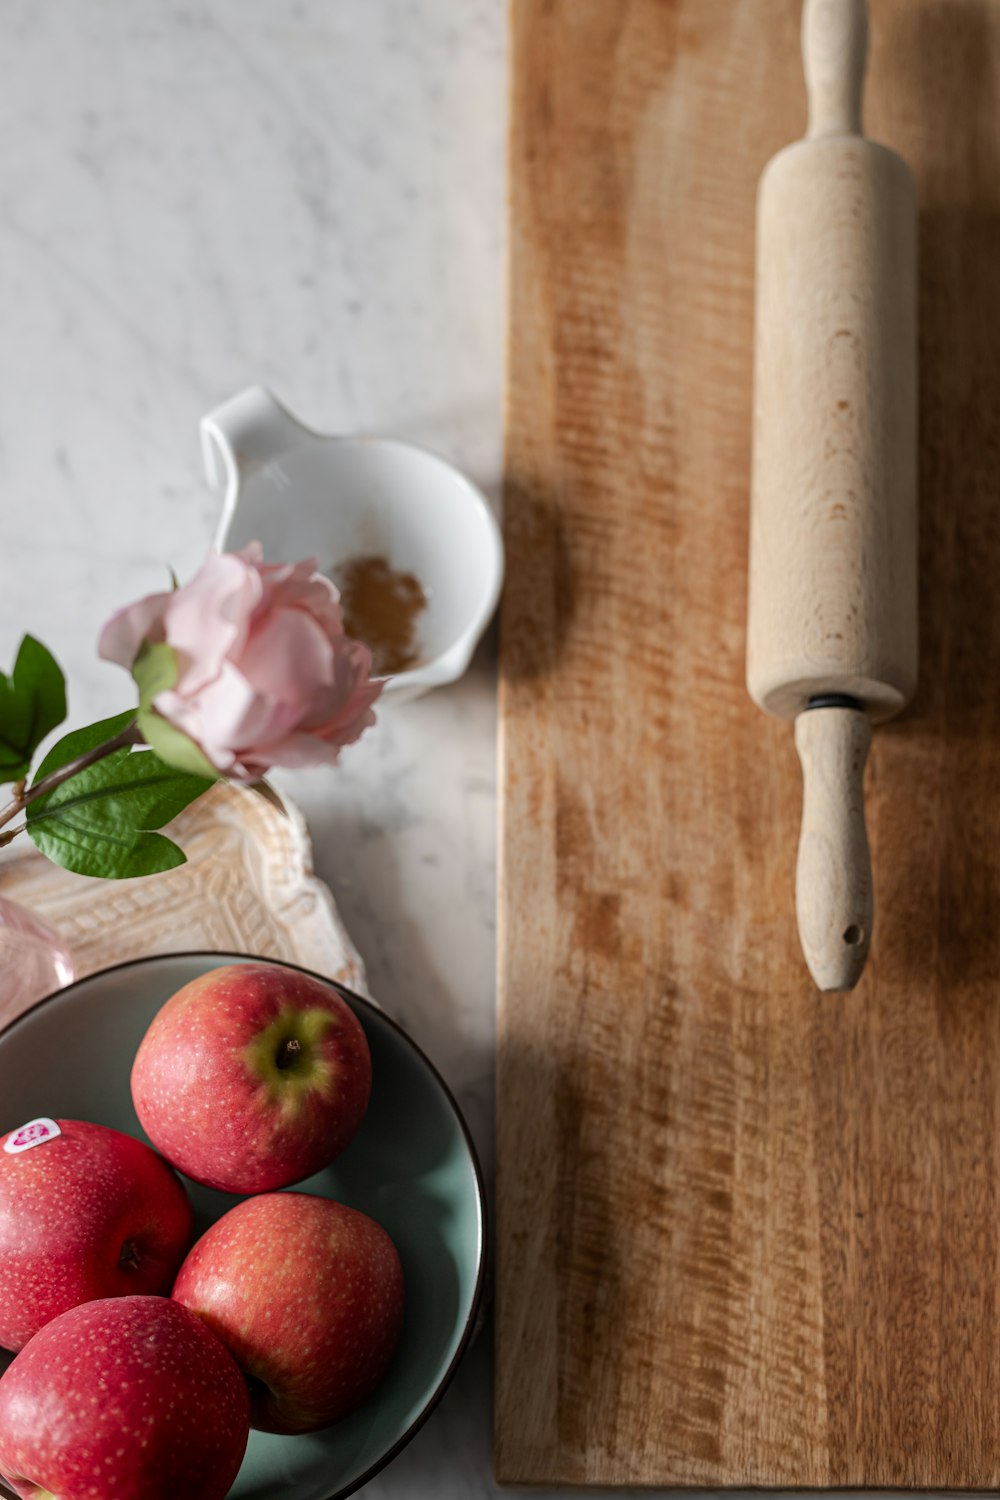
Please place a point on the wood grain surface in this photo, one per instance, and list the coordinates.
(747, 1235)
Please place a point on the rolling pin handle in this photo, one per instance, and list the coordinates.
(834, 50)
(833, 878)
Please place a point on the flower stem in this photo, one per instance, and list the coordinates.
(128, 736)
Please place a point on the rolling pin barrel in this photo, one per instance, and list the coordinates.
(833, 576)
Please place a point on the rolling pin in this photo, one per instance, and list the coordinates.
(832, 623)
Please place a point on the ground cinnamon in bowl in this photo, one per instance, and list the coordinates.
(382, 607)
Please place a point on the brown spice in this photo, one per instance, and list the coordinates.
(381, 607)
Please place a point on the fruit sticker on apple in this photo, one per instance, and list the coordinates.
(35, 1133)
(252, 1077)
(85, 1212)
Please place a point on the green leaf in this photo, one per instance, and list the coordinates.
(79, 741)
(32, 703)
(266, 790)
(100, 821)
(154, 670)
(173, 746)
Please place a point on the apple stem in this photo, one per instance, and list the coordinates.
(288, 1052)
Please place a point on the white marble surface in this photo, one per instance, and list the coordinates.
(202, 195)
(199, 195)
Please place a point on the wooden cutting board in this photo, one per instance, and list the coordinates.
(748, 1234)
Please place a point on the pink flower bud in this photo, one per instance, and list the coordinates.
(265, 674)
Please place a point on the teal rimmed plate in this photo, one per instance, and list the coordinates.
(412, 1166)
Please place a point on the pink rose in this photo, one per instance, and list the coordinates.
(258, 671)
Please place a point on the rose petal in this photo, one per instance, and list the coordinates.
(346, 711)
(306, 588)
(267, 675)
(351, 692)
(288, 657)
(209, 619)
(294, 752)
(128, 629)
(214, 716)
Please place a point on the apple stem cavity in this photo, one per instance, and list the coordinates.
(129, 1259)
(289, 1052)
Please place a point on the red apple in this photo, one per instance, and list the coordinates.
(129, 1398)
(85, 1212)
(252, 1076)
(308, 1297)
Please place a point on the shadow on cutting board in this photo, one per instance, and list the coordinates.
(945, 752)
(545, 588)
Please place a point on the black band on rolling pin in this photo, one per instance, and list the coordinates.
(834, 700)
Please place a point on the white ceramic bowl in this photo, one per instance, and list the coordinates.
(301, 494)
